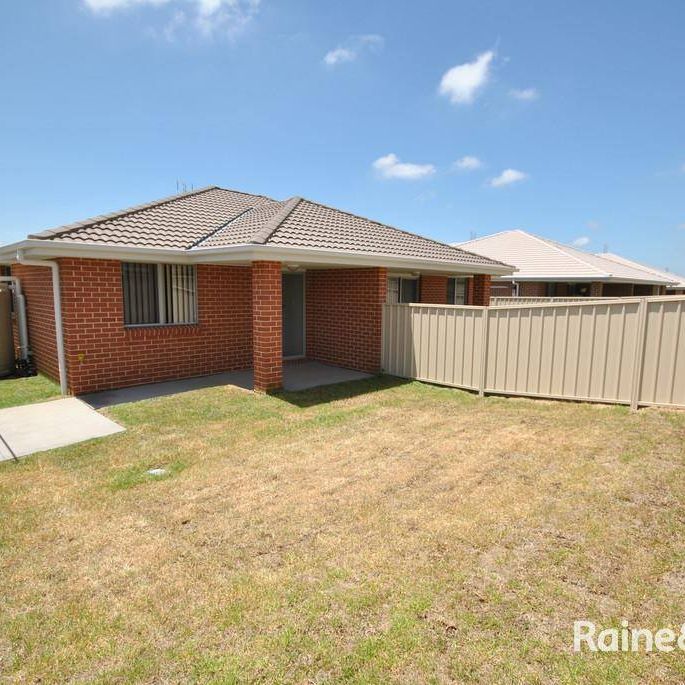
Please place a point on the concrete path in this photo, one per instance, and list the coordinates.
(46, 425)
(109, 398)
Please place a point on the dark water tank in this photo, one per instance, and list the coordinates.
(6, 340)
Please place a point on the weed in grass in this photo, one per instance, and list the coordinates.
(133, 476)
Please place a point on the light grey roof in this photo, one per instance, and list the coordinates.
(538, 258)
(214, 217)
(679, 281)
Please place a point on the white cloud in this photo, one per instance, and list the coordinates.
(468, 163)
(507, 177)
(352, 48)
(581, 241)
(524, 93)
(208, 17)
(338, 56)
(390, 166)
(462, 83)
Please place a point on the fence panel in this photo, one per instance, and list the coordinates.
(627, 351)
(438, 344)
(663, 372)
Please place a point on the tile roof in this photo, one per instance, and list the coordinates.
(214, 217)
(679, 281)
(538, 258)
(179, 221)
(315, 225)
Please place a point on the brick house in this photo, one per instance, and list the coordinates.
(546, 268)
(217, 280)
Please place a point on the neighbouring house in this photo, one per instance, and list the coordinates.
(218, 280)
(677, 287)
(546, 268)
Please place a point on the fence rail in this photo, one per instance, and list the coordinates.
(627, 351)
(516, 300)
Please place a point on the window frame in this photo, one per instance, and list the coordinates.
(164, 290)
(399, 280)
(454, 279)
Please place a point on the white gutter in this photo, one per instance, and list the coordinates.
(245, 253)
(20, 304)
(584, 279)
(57, 304)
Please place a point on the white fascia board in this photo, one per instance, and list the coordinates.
(323, 257)
(51, 249)
(582, 279)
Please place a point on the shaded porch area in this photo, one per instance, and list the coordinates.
(297, 376)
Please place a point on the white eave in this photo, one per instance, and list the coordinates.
(570, 278)
(241, 254)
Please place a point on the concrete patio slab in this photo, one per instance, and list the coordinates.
(296, 376)
(46, 425)
(109, 398)
(306, 375)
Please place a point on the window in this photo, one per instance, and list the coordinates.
(157, 294)
(402, 290)
(456, 291)
(580, 289)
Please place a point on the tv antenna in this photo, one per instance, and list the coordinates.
(182, 186)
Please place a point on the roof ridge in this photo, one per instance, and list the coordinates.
(242, 192)
(401, 230)
(485, 237)
(221, 227)
(271, 226)
(67, 228)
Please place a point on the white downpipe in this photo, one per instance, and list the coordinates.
(57, 304)
(21, 314)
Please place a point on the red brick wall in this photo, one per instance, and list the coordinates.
(36, 283)
(481, 290)
(344, 316)
(501, 289)
(596, 289)
(267, 325)
(102, 353)
(532, 289)
(433, 290)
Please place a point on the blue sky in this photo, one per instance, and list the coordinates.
(445, 118)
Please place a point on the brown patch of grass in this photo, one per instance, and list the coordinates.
(373, 532)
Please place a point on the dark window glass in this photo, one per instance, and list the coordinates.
(456, 291)
(144, 304)
(141, 300)
(409, 290)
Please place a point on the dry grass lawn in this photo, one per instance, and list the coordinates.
(375, 532)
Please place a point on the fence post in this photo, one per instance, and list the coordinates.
(484, 352)
(639, 356)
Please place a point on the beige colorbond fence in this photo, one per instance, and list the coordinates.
(627, 351)
(512, 299)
